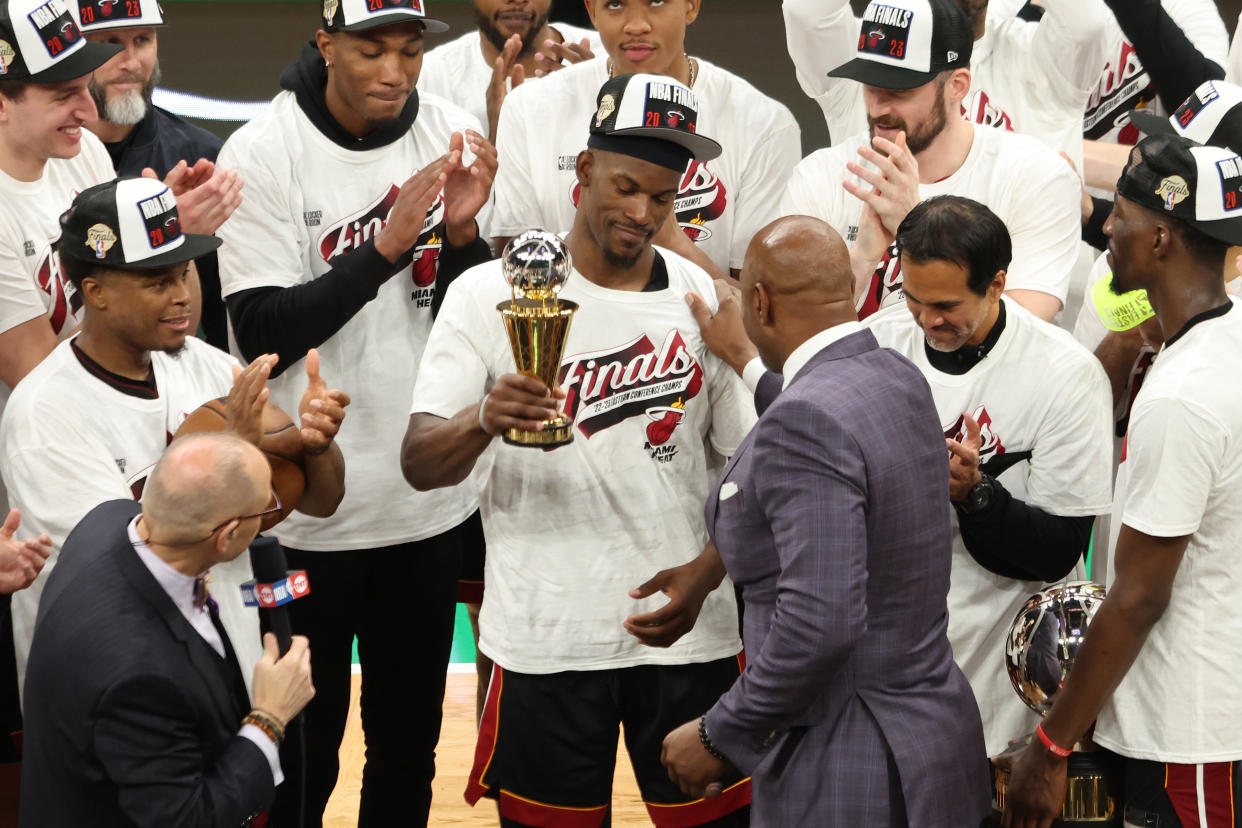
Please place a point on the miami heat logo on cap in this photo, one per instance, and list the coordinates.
(376, 6)
(607, 106)
(100, 238)
(885, 31)
(56, 28)
(159, 214)
(670, 105)
(6, 56)
(1230, 171)
(1173, 190)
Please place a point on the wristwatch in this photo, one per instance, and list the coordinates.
(980, 495)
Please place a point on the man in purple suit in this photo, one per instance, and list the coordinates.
(851, 710)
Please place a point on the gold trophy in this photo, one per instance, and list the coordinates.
(536, 265)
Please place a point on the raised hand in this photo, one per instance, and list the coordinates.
(507, 74)
(556, 56)
(321, 409)
(409, 212)
(964, 461)
(467, 189)
(20, 561)
(248, 396)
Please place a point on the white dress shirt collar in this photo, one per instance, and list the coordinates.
(807, 350)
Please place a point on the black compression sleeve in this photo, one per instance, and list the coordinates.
(453, 262)
(290, 321)
(1175, 65)
(1017, 540)
(1093, 230)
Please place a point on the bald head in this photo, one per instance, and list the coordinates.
(801, 258)
(201, 481)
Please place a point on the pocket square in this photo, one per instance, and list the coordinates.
(728, 490)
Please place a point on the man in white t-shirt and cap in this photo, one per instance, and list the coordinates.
(1027, 76)
(364, 201)
(720, 204)
(1156, 672)
(584, 538)
(913, 59)
(515, 42)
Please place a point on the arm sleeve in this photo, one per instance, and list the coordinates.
(771, 161)
(1017, 540)
(814, 497)
(1070, 42)
(516, 195)
(1045, 223)
(453, 372)
(150, 747)
(1093, 230)
(19, 297)
(821, 35)
(291, 320)
(270, 752)
(1172, 60)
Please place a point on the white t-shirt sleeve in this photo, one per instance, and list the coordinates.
(1173, 453)
(517, 197)
(1088, 329)
(1233, 71)
(772, 160)
(19, 298)
(1045, 224)
(453, 373)
(1070, 43)
(262, 246)
(809, 191)
(821, 35)
(1071, 462)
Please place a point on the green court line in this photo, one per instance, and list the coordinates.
(463, 639)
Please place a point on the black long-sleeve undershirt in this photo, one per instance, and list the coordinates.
(1175, 65)
(290, 321)
(1017, 540)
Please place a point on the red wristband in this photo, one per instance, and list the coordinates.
(1051, 745)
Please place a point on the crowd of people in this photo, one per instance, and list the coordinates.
(835, 417)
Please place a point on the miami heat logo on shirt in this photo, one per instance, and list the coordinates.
(990, 443)
(63, 299)
(606, 387)
(355, 230)
(980, 109)
(701, 199)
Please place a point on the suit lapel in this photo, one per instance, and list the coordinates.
(199, 652)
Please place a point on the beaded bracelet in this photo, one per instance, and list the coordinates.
(1051, 745)
(708, 745)
(266, 723)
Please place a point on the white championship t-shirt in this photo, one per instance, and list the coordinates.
(308, 201)
(1124, 84)
(570, 532)
(721, 204)
(458, 72)
(1183, 468)
(1026, 184)
(70, 441)
(1042, 404)
(1026, 77)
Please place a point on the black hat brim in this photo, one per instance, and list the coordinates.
(82, 62)
(195, 245)
(1151, 123)
(430, 24)
(881, 75)
(701, 147)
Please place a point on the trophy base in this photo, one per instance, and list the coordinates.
(1093, 797)
(556, 432)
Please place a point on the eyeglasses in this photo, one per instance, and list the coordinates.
(272, 510)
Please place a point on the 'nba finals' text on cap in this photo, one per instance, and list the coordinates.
(98, 15)
(1199, 185)
(360, 15)
(1212, 116)
(906, 43)
(41, 43)
(128, 223)
(652, 117)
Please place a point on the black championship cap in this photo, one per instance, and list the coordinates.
(1201, 186)
(98, 15)
(652, 117)
(1212, 116)
(131, 224)
(41, 43)
(360, 15)
(906, 43)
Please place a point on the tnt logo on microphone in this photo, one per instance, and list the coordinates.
(267, 598)
(299, 585)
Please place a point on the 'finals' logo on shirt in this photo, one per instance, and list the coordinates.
(355, 230)
(606, 387)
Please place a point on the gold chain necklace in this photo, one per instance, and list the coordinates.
(692, 62)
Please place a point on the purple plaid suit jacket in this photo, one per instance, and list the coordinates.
(833, 518)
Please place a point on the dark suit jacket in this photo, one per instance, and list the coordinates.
(832, 517)
(131, 717)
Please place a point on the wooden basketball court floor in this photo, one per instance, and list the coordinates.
(454, 757)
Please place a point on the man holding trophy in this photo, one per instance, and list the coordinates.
(613, 415)
(1158, 665)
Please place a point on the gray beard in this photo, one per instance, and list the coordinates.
(131, 107)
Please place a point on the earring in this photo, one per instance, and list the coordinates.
(327, 64)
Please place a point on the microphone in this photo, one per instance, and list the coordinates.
(273, 587)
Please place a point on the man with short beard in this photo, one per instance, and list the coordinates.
(584, 538)
(137, 134)
(918, 146)
(515, 42)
